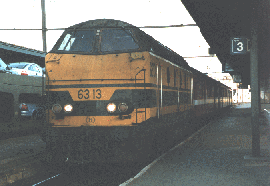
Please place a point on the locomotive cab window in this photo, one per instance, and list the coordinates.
(78, 41)
(117, 40)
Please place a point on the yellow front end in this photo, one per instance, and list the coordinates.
(97, 80)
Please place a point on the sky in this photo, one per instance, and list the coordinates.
(25, 14)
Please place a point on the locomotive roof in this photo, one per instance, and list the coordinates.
(111, 23)
(146, 42)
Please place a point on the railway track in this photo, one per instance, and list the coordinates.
(91, 174)
(28, 168)
(45, 181)
(32, 172)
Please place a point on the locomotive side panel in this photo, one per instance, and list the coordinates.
(174, 87)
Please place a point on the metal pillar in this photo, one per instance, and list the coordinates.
(254, 80)
(44, 29)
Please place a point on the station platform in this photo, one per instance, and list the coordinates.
(218, 154)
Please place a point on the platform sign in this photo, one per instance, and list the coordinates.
(239, 45)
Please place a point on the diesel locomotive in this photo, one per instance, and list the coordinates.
(113, 92)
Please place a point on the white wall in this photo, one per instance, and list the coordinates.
(17, 84)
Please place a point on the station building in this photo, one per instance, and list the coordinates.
(11, 86)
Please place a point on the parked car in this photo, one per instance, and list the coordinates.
(25, 68)
(3, 66)
(29, 105)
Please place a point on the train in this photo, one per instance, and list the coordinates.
(114, 94)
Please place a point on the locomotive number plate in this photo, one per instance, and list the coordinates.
(89, 94)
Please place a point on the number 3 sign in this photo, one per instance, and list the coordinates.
(239, 45)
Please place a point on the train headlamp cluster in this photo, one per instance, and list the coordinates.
(56, 108)
(68, 108)
(111, 107)
(122, 107)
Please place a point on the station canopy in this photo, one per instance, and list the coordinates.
(221, 20)
(11, 53)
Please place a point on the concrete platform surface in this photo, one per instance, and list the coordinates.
(20, 147)
(218, 154)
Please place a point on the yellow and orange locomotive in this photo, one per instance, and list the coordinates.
(112, 92)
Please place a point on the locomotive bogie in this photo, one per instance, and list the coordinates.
(102, 144)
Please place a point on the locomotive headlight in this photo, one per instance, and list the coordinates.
(111, 107)
(68, 108)
(122, 107)
(56, 108)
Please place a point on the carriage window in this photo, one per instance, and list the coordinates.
(78, 41)
(117, 40)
